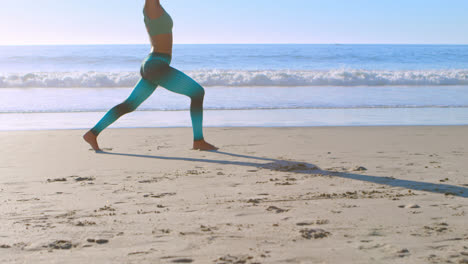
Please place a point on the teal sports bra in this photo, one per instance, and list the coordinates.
(160, 25)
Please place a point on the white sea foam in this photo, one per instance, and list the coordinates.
(336, 77)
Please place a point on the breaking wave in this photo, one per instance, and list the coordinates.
(239, 78)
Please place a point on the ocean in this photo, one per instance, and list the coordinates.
(71, 87)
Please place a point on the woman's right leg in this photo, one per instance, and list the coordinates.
(141, 92)
(178, 82)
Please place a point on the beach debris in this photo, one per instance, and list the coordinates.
(254, 201)
(305, 223)
(85, 223)
(207, 228)
(284, 183)
(403, 252)
(139, 253)
(102, 241)
(27, 200)
(182, 260)
(57, 180)
(165, 231)
(159, 195)
(359, 168)
(97, 241)
(220, 173)
(409, 206)
(276, 209)
(154, 179)
(375, 232)
(322, 222)
(316, 222)
(78, 179)
(228, 259)
(336, 169)
(5, 246)
(438, 227)
(61, 244)
(315, 233)
(106, 208)
(371, 246)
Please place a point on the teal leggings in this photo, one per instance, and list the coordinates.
(155, 71)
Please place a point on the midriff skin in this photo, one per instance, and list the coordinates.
(163, 42)
(160, 43)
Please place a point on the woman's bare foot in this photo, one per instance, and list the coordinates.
(92, 140)
(203, 145)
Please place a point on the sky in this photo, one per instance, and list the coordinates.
(42, 22)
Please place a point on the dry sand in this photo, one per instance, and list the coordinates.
(269, 195)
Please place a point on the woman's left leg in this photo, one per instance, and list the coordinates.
(143, 89)
(140, 93)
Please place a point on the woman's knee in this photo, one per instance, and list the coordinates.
(198, 92)
(124, 108)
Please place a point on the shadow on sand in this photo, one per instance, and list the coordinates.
(307, 168)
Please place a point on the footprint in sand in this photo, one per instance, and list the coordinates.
(228, 259)
(276, 209)
(79, 179)
(365, 247)
(61, 244)
(98, 241)
(159, 195)
(207, 228)
(436, 228)
(85, 223)
(314, 233)
(317, 222)
(105, 208)
(403, 253)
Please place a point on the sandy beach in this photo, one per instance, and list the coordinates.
(395, 194)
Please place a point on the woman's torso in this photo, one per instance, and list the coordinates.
(159, 26)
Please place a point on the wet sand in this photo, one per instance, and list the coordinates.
(269, 195)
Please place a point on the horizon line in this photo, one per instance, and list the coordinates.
(97, 44)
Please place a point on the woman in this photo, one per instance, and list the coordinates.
(155, 71)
